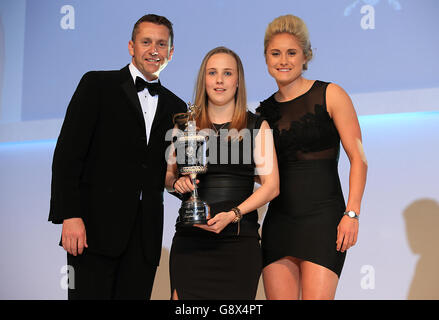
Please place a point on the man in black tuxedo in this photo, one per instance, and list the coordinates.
(109, 170)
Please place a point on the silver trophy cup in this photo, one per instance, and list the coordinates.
(191, 160)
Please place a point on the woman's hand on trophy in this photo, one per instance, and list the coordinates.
(184, 184)
(218, 222)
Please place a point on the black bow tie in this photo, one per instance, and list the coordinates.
(153, 88)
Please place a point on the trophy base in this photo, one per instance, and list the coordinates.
(193, 211)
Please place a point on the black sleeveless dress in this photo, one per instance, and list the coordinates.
(205, 265)
(302, 221)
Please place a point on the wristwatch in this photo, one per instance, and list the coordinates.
(352, 214)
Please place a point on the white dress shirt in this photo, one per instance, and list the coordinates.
(147, 101)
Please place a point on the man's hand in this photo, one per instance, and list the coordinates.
(74, 238)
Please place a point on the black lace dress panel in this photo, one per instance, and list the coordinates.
(302, 221)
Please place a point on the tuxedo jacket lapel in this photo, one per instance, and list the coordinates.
(160, 112)
(130, 90)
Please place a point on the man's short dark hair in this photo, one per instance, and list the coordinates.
(160, 20)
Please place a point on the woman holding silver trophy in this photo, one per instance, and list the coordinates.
(220, 258)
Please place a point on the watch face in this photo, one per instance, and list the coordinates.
(351, 214)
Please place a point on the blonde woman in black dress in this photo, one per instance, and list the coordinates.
(223, 259)
(308, 227)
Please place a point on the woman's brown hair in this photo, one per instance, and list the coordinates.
(239, 120)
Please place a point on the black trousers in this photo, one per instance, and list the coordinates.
(129, 276)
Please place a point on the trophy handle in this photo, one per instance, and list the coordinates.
(180, 118)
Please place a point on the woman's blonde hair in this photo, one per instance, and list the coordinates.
(294, 26)
(239, 120)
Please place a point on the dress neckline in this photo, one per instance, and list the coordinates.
(298, 97)
(220, 124)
